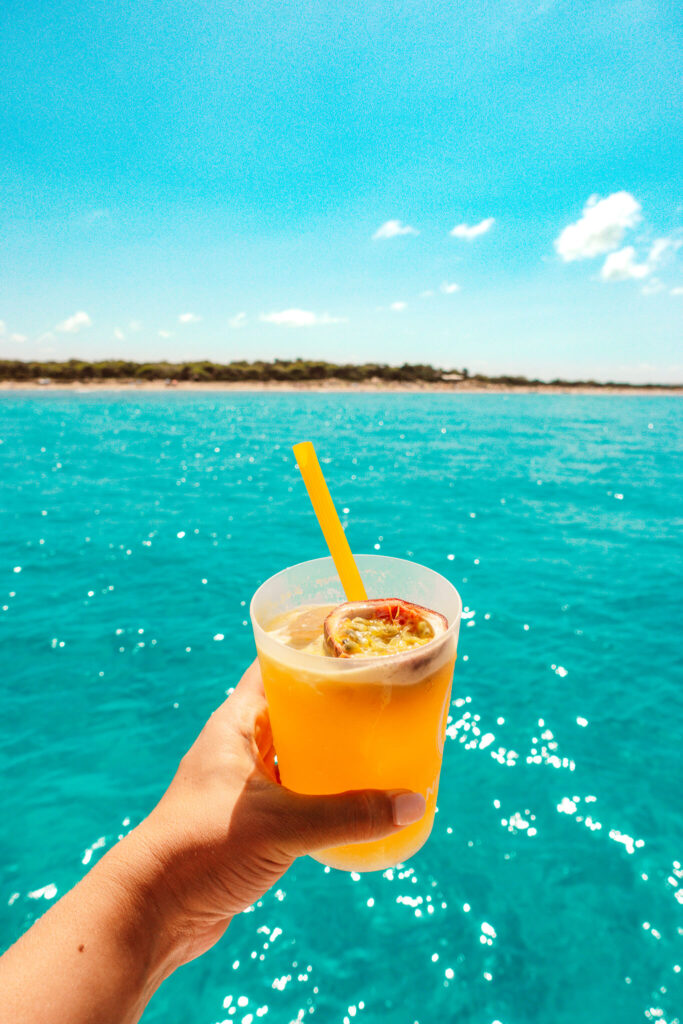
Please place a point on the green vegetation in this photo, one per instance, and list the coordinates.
(284, 370)
(204, 370)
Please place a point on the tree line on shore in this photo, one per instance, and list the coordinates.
(284, 370)
(205, 370)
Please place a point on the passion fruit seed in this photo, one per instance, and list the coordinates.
(380, 627)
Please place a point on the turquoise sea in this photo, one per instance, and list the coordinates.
(135, 529)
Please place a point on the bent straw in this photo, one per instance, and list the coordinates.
(333, 532)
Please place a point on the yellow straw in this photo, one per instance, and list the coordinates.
(333, 532)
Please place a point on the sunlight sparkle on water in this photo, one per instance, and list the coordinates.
(503, 683)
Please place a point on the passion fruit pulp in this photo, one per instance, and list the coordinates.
(382, 626)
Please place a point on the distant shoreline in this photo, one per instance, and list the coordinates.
(293, 376)
(468, 386)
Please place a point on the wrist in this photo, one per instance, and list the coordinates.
(153, 931)
(171, 879)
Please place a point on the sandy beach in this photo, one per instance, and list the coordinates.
(472, 387)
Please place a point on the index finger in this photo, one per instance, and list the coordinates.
(251, 683)
(248, 698)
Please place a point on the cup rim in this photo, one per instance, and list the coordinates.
(313, 660)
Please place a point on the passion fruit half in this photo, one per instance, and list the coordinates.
(382, 626)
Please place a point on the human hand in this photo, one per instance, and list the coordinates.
(225, 831)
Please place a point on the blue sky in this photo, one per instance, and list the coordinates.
(212, 180)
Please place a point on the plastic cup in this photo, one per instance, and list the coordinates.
(360, 723)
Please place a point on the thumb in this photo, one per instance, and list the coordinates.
(310, 823)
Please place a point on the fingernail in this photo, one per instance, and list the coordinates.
(408, 808)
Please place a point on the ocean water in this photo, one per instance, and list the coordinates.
(135, 529)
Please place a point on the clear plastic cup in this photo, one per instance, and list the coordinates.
(360, 723)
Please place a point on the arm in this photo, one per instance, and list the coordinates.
(100, 952)
(223, 833)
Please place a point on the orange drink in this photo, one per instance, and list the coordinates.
(368, 722)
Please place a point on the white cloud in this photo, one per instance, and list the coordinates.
(600, 229)
(135, 325)
(660, 246)
(237, 321)
(118, 334)
(392, 228)
(165, 334)
(450, 289)
(189, 318)
(19, 338)
(678, 290)
(3, 327)
(469, 232)
(397, 307)
(74, 323)
(652, 287)
(299, 318)
(95, 215)
(426, 294)
(621, 266)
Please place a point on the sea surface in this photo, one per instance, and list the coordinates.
(135, 529)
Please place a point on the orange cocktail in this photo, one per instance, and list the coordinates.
(343, 723)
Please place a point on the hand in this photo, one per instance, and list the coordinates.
(225, 831)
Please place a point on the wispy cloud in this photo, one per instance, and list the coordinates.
(398, 307)
(449, 289)
(600, 229)
(653, 286)
(621, 266)
(135, 325)
(678, 290)
(118, 334)
(427, 294)
(470, 232)
(93, 216)
(299, 318)
(237, 321)
(661, 247)
(165, 334)
(3, 328)
(74, 323)
(18, 338)
(189, 318)
(393, 228)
